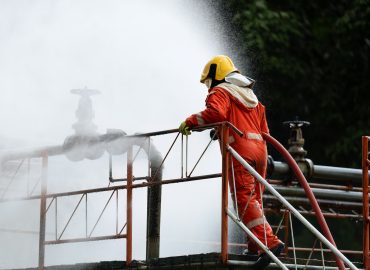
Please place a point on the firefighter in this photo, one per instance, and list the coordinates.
(231, 98)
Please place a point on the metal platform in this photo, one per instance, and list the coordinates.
(195, 261)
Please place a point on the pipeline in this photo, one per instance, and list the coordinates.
(298, 201)
(320, 218)
(320, 172)
(322, 193)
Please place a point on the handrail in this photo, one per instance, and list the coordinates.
(293, 165)
(251, 235)
(291, 208)
(58, 149)
(223, 130)
(198, 128)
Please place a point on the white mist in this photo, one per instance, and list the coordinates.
(145, 57)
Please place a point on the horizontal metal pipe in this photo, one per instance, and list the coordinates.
(17, 231)
(58, 149)
(354, 252)
(34, 153)
(316, 185)
(274, 266)
(335, 187)
(113, 180)
(337, 173)
(322, 202)
(178, 180)
(280, 168)
(94, 190)
(86, 239)
(169, 131)
(321, 172)
(321, 193)
(311, 213)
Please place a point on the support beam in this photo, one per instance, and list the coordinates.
(43, 211)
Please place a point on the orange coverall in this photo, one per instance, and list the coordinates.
(223, 106)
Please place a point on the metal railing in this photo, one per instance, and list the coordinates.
(49, 201)
(44, 208)
(290, 208)
(187, 175)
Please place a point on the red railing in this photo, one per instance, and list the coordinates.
(223, 131)
(44, 209)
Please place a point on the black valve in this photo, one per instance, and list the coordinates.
(296, 143)
(296, 140)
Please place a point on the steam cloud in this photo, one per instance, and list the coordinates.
(145, 57)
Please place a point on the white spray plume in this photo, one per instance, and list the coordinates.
(145, 57)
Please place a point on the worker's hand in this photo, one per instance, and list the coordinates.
(184, 129)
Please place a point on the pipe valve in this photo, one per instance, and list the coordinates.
(295, 146)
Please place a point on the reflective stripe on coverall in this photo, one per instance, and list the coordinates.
(223, 106)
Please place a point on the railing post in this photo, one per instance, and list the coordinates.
(365, 200)
(129, 207)
(43, 211)
(154, 214)
(286, 231)
(225, 182)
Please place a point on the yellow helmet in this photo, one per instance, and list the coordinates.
(218, 68)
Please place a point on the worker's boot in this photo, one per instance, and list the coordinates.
(264, 259)
(250, 255)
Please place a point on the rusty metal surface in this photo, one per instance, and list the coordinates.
(43, 211)
(225, 186)
(129, 208)
(85, 239)
(120, 187)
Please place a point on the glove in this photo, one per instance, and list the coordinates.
(184, 129)
(213, 134)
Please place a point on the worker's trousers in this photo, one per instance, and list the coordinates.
(249, 202)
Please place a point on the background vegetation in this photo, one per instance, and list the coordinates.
(311, 60)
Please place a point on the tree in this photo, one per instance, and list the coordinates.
(311, 59)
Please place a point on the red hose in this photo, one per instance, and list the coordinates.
(298, 173)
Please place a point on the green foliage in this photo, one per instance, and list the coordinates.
(311, 59)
